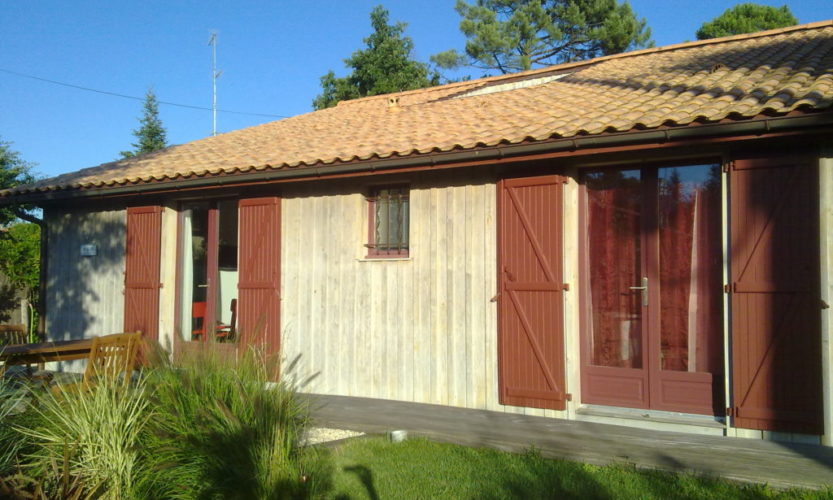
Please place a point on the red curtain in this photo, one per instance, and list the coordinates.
(614, 220)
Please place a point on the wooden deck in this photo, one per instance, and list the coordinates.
(778, 464)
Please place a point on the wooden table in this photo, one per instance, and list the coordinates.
(44, 352)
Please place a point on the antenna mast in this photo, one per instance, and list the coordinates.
(214, 76)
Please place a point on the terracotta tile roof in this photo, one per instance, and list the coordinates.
(738, 77)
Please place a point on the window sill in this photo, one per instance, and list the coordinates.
(384, 259)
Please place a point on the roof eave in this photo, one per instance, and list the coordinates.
(761, 126)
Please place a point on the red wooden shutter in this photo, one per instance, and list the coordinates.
(776, 302)
(531, 335)
(259, 281)
(141, 273)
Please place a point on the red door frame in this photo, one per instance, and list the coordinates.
(212, 268)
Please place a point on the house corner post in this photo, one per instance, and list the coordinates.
(167, 278)
(826, 267)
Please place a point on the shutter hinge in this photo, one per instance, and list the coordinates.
(727, 288)
(728, 165)
(568, 397)
(731, 411)
(494, 299)
(565, 287)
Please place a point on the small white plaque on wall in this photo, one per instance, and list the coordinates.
(89, 250)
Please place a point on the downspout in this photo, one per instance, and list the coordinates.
(826, 286)
(44, 243)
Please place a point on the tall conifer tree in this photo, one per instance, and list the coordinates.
(747, 18)
(151, 135)
(516, 35)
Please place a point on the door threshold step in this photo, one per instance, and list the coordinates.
(664, 417)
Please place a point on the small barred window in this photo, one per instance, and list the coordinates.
(389, 222)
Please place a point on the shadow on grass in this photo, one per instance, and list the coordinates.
(365, 477)
(375, 468)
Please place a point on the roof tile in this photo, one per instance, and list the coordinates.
(737, 77)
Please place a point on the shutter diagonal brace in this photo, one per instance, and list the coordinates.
(536, 246)
(536, 349)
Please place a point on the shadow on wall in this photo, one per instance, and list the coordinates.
(84, 293)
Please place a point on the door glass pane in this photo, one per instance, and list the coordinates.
(194, 264)
(690, 268)
(614, 208)
(225, 310)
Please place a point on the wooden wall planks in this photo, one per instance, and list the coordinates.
(422, 329)
(85, 294)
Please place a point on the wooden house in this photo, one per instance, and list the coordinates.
(643, 239)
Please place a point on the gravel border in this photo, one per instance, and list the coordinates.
(320, 435)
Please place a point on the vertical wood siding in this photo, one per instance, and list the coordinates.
(422, 329)
(84, 294)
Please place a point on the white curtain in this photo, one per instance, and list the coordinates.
(187, 276)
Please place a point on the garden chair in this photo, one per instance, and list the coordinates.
(13, 335)
(112, 356)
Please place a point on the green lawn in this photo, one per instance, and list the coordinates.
(375, 468)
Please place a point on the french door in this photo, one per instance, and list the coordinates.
(208, 270)
(652, 335)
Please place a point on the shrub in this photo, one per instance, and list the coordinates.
(221, 429)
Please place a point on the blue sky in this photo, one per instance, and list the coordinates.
(272, 54)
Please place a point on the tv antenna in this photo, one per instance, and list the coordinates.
(215, 74)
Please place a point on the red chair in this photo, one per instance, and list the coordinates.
(221, 331)
(227, 332)
(198, 313)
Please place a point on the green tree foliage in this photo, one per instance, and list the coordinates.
(14, 171)
(151, 135)
(19, 242)
(747, 18)
(516, 35)
(384, 66)
(20, 257)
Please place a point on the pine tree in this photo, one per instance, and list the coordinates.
(151, 135)
(14, 171)
(516, 35)
(384, 66)
(747, 18)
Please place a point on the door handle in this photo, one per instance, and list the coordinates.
(644, 289)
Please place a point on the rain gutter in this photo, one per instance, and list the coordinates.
(758, 127)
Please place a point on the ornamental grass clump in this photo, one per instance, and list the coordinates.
(14, 411)
(92, 436)
(222, 429)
